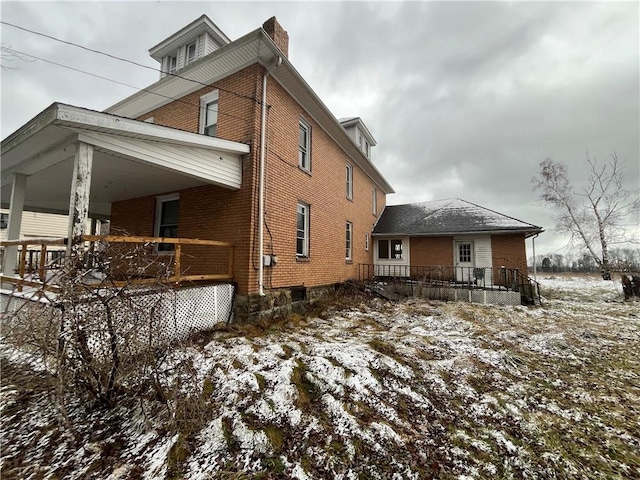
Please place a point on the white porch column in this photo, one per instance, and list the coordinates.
(79, 203)
(18, 191)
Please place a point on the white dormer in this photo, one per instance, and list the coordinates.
(357, 130)
(188, 45)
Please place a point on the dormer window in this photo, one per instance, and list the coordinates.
(172, 63)
(191, 53)
(188, 45)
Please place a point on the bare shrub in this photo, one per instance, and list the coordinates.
(103, 334)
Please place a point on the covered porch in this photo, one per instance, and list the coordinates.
(78, 162)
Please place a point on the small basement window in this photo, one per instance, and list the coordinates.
(298, 293)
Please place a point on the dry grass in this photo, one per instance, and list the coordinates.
(380, 390)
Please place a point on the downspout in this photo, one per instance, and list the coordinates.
(263, 142)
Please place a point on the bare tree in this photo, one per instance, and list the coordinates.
(594, 216)
(7, 55)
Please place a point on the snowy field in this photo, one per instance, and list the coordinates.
(370, 389)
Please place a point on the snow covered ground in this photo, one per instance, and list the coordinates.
(370, 389)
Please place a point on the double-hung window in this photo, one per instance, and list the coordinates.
(302, 230)
(349, 240)
(166, 223)
(191, 53)
(304, 146)
(209, 114)
(349, 180)
(172, 63)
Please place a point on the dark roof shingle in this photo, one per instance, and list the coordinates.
(451, 216)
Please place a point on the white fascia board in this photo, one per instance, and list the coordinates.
(33, 126)
(225, 171)
(127, 105)
(75, 117)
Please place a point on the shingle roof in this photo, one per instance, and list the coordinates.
(451, 216)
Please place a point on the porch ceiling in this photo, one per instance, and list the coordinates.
(131, 159)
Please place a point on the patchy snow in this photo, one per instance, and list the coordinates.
(377, 390)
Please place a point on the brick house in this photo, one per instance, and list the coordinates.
(230, 146)
(277, 157)
(477, 242)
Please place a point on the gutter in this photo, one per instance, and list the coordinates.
(263, 142)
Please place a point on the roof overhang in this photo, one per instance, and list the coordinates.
(254, 47)
(187, 34)
(346, 123)
(131, 159)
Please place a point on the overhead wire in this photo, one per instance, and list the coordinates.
(115, 57)
(200, 107)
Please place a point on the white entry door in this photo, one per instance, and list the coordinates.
(464, 262)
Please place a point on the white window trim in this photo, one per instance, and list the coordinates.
(305, 243)
(390, 252)
(349, 181)
(156, 222)
(307, 168)
(195, 53)
(169, 57)
(348, 241)
(204, 101)
(366, 242)
(374, 201)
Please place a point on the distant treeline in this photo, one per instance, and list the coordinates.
(621, 260)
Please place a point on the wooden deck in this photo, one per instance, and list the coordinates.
(170, 263)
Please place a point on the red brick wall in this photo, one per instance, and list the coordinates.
(506, 250)
(323, 189)
(431, 250)
(211, 212)
(509, 251)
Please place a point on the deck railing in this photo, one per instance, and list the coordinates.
(35, 266)
(501, 278)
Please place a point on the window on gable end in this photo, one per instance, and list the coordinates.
(349, 240)
(209, 114)
(349, 181)
(304, 146)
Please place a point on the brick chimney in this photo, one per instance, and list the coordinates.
(279, 36)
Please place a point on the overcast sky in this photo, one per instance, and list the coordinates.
(464, 99)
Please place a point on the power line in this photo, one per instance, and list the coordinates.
(11, 50)
(115, 57)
